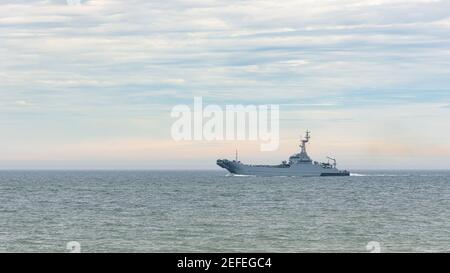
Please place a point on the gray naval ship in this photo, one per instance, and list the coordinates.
(299, 165)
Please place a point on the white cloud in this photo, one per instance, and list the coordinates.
(22, 103)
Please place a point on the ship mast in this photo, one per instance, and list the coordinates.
(304, 141)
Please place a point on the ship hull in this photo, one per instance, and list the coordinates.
(235, 167)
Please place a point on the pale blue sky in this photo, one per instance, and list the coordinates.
(91, 86)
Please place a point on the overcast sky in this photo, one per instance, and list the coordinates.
(92, 85)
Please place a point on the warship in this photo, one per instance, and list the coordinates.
(299, 164)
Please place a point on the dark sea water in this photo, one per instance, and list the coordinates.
(207, 211)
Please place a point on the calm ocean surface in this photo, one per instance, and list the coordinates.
(207, 211)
